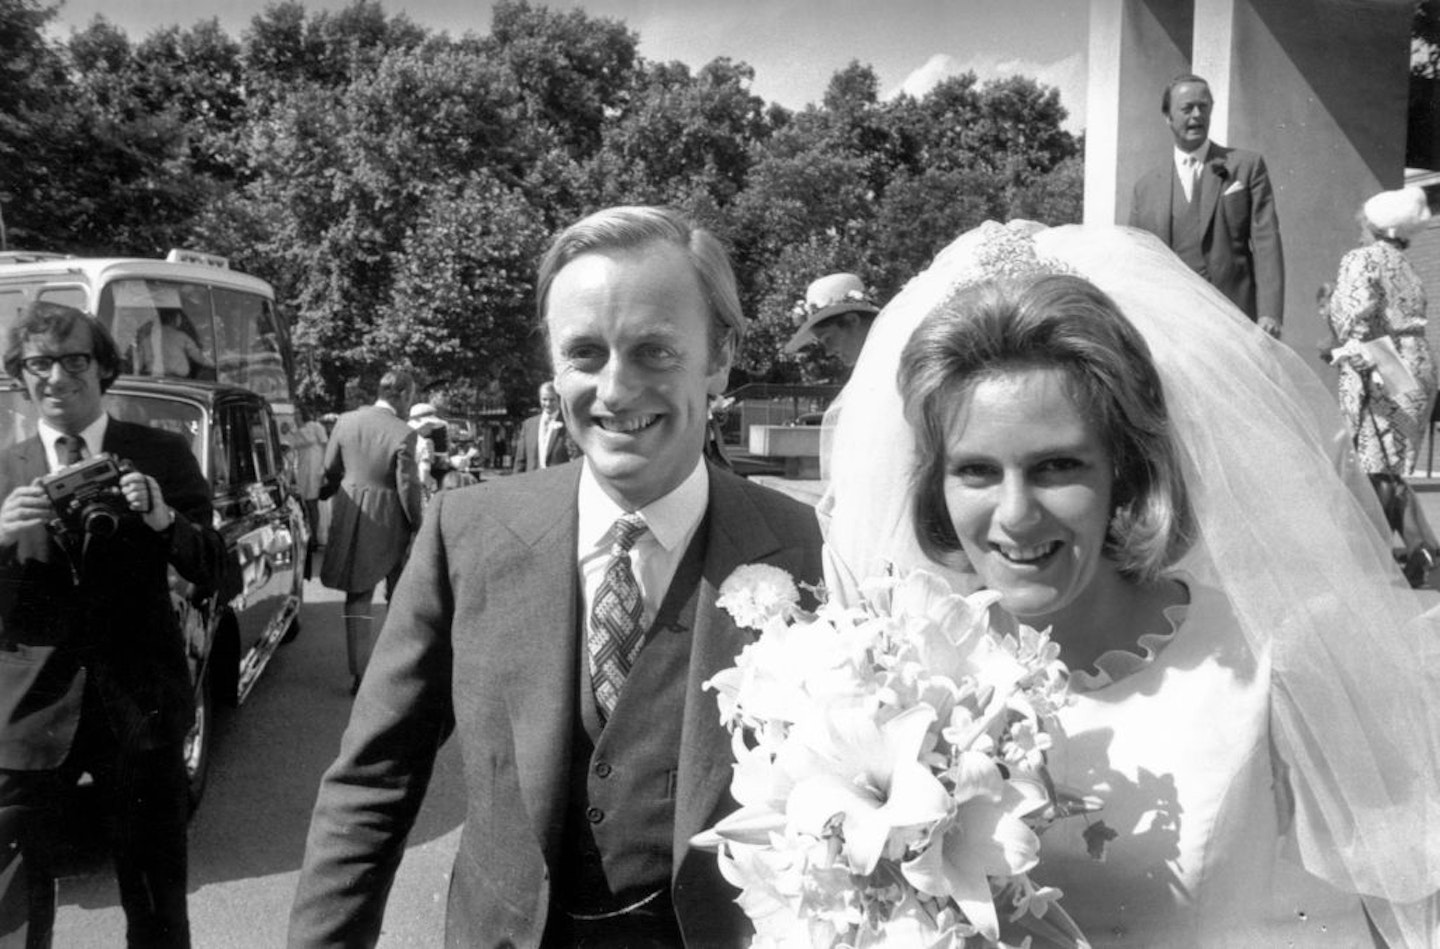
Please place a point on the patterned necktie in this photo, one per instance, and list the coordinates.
(70, 449)
(1192, 167)
(615, 629)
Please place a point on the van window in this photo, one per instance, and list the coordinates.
(163, 327)
(13, 300)
(250, 345)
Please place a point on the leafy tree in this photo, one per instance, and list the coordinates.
(195, 77)
(109, 173)
(1422, 144)
(32, 90)
(461, 310)
(1425, 40)
(922, 212)
(282, 47)
(571, 68)
(395, 185)
(681, 135)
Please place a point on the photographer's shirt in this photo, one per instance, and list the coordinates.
(94, 435)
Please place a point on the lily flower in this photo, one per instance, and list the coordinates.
(869, 776)
(985, 837)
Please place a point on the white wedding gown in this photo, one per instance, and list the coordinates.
(1278, 754)
(1177, 748)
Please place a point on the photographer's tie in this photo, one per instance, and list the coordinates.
(615, 631)
(70, 449)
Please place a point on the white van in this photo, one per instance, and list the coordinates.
(229, 317)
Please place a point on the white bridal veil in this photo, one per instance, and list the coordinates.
(1289, 530)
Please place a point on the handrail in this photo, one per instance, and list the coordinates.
(784, 390)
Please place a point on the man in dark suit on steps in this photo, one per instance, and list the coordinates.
(1215, 208)
(93, 672)
(562, 625)
(543, 439)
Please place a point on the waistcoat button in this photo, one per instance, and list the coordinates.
(603, 769)
(594, 815)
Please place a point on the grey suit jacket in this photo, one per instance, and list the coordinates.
(1243, 255)
(528, 450)
(481, 639)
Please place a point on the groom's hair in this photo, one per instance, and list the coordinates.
(1061, 322)
(635, 227)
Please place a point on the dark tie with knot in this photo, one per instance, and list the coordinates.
(615, 629)
(70, 449)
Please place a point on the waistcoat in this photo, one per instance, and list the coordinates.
(620, 817)
(1186, 236)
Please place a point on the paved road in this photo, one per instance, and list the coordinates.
(248, 836)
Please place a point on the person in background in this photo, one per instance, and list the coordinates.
(836, 313)
(93, 670)
(1379, 296)
(543, 439)
(171, 352)
(562, 625)
(308, 442)
(375, 506)
(715, 451)
(431, 444)
(1215, 208)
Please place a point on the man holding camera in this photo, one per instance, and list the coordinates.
(93, 673)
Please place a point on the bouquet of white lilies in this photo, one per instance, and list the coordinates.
(889, 766)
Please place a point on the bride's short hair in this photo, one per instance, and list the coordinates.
(1050, 321)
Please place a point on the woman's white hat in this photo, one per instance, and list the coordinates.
(1399, 213)
(828, 297)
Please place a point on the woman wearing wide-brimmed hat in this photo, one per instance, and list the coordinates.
(1378, 309)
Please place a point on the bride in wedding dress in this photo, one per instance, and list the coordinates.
(1072, 418)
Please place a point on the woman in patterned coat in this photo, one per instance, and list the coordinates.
(1378, 294)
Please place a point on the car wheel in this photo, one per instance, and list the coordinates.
(197, 741)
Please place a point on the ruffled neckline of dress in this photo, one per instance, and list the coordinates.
(1114, 665)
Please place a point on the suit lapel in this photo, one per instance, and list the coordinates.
(31, 457)
(541, 618)
(1156, 188)
(116, 440)
(1211, 185)
(30, 464)
(738, 535)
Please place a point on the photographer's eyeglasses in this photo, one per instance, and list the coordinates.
(73, 363)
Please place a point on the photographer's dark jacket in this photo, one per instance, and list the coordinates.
(113, 625)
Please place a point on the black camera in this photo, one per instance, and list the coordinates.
(87, 497)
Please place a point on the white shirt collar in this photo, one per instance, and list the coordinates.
(1200, 154)
(94, 435)
(382, 404)
(671, 519)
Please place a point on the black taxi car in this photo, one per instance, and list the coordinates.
(231, 632)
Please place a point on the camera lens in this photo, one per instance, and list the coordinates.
(99, 520)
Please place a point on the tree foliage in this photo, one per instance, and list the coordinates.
(397, 185)
(1425, 40)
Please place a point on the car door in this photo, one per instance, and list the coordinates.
(257, 525)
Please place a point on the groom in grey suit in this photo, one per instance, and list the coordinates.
(561, 624)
